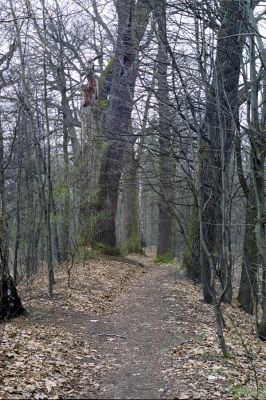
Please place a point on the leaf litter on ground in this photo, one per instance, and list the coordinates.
(44, 360)
(40, 360)
(196, 363)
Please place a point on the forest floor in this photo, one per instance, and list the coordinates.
(126, 329)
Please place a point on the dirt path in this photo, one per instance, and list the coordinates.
(135, 338)
(131, 339)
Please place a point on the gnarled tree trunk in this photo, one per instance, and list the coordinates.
(132, 22)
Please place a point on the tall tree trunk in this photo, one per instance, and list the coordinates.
(55, 229)
(18, 211)
(66, 208)
(48, 208)
(259, 185)
(258, 154)
(93, 149)
(221, 114)
(208, 275)
(132, 22)
(130, 225)
(247, 294)
(190, 262)
(10, 303)
(248, 288)
(67, 128)
(166, 168)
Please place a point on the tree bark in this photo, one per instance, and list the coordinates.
(190, 262)
(166, 167)
(247, 294)
(129, 218)
(221, 114)
(132, 22)
(10, 303)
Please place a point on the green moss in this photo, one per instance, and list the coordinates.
(166, 258)
(105, 74)
(142, 18)
(104, 104)
(105, 249)
(103, 147)
(133, 245)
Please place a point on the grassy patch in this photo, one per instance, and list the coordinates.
(105, 249)
(83, 253)
(129, 248)
(166, 258)
(242, 392)
(133, 245)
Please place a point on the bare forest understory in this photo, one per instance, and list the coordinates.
(126, 328)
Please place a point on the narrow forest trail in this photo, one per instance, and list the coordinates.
(132, 338)
(136, 337)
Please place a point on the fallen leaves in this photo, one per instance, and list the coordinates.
(41, 362)
(41, 357)
(197, 366)
(49, 356)
(95, 285)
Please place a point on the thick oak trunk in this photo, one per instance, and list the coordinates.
(132, 22)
